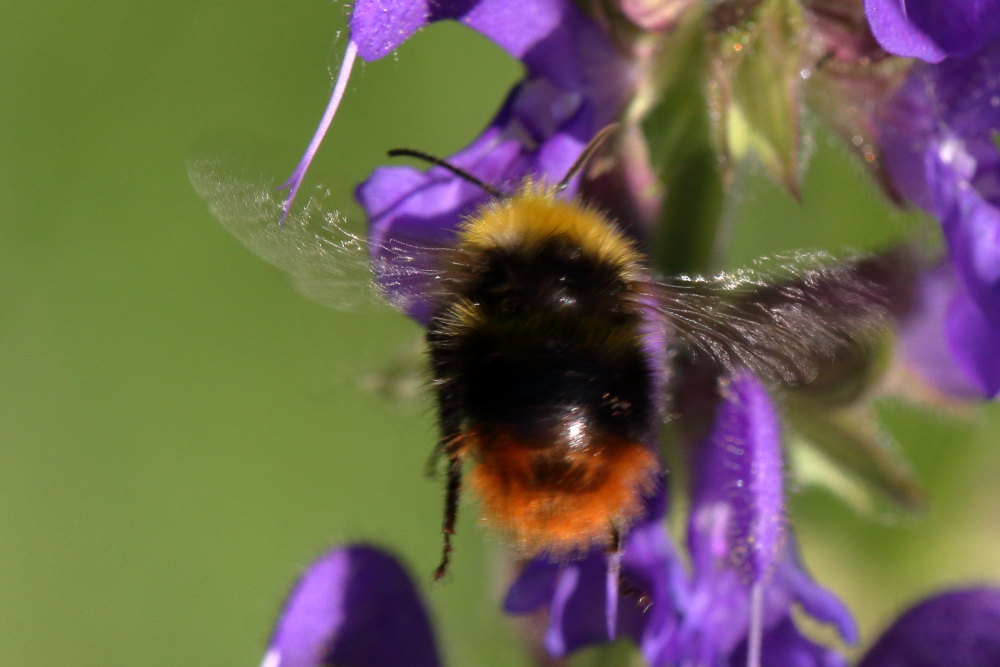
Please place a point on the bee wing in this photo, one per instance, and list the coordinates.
(328, 262)
(782, 317)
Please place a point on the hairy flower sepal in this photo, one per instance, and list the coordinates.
(755, 86)
(746, 572)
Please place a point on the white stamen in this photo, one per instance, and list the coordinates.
(272, 658)
(755, 635)
(295, 180)
(954, 153)
(613, 586)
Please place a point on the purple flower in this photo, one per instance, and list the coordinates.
(933, 29)
(354, 607)
(746, 575)
(573, 87)
(746, 570)
(570, 71)
(581, 599)
(939, 138)
(734, 604)
(959, 628)
(540, 130)
(946, 339)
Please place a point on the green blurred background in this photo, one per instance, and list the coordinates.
(181, 432)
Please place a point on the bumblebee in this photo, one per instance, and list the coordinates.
(548, 342)
(540, 375)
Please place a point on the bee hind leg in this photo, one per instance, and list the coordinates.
(450, 444)
(643, 601)
(452, 491)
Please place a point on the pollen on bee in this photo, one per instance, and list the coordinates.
(545, 499)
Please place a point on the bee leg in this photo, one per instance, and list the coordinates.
(450, 424)
(452, 490)
(450, 416)
(614, 581)
(642, 599)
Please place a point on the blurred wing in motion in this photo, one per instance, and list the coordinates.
(782, 318)
(328, 262)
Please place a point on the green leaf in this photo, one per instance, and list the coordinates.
(865, 463)
(755, 84)
(678, 131)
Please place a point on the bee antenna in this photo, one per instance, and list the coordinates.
(461, 173)
(587, 153)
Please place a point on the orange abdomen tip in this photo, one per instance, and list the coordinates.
(559, 500)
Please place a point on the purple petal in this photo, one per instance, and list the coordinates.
(424, 210)
(576, 598)
(933, 29)
(538, 32)
(957, 629)
(816, 601)
(972, 228)
(738, 544)
(975, 344)
(355, 606)
(578, 609)
(946, 114)
(896, 34)
(923, 340)
(577, 594)
(651, 567)
(379, 26)
(738, 511)
(737, 521)
(717, 618)
(784, 646)
(938, 134)
(907, 126)
(533, 588)
(715, 621)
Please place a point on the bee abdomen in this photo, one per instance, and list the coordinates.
(559, 502)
